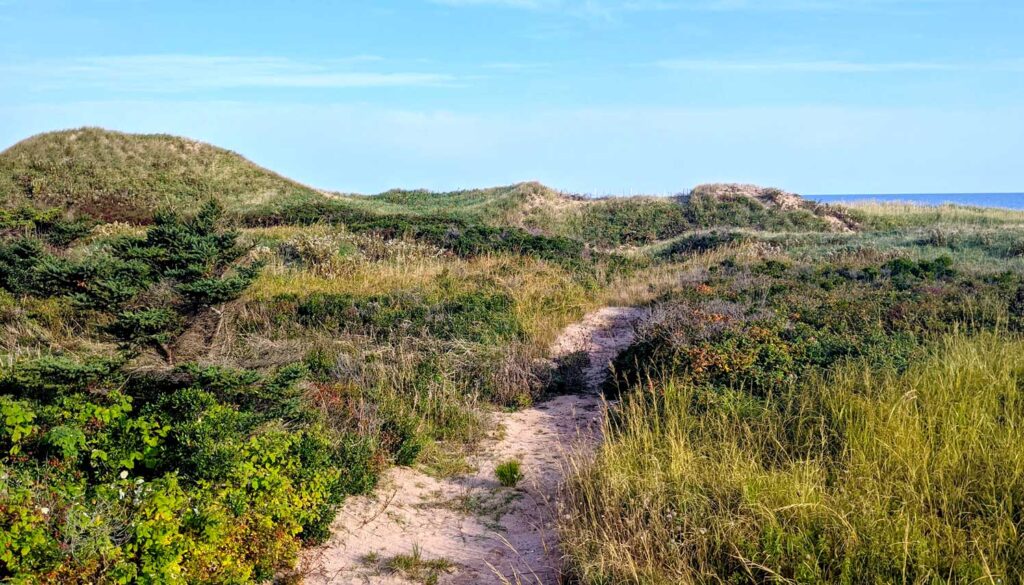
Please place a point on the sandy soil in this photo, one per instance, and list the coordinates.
(469, 529)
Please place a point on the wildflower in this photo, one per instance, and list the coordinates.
(124, 474)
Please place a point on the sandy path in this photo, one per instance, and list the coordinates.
(488, 533)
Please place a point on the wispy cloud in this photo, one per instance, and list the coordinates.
(612, 7)
(832, 66)
(183, 73)
(823, 66)
(515, 66)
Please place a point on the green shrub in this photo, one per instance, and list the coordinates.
(629, 221)
(214, 291)
(482, 317)
(699, 242)
(454, 234)
(18, 259)
(509, 473)
(707, 211)
(52, 225)
(201, 474)
(146, 326)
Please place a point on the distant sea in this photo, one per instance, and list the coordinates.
(1006, 200)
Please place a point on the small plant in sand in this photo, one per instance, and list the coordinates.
(417, 568)
(509, 473)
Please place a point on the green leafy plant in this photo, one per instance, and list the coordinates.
(509, 473)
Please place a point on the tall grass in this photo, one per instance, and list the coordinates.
(856, 476)
(884, 215)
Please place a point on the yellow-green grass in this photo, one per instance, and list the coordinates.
(117, 176)
(974, 248)
(859, 476)
(900, 214)
(606, 222)
(546, 297)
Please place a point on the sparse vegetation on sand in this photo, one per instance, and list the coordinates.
(201, 360)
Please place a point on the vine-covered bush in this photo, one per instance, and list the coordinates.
(199, 475)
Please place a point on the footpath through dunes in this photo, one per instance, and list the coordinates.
(469, 529)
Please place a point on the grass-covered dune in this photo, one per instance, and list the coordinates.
(116, 176)
(113, 176)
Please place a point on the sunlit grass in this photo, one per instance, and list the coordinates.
(856, 477)
(896, 214)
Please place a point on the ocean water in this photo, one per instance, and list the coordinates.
(1005, 200)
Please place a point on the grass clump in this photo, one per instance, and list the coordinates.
(415, 567)
(859, 475)
(509, 473)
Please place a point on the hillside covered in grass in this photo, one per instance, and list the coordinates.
(112, 176)
(821, 395)
(116, 176)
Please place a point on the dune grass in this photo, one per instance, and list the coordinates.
(117, 176)
(854, 476)
(892, 215)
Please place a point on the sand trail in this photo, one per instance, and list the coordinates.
(469, 529)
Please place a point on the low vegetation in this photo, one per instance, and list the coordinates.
(834, 412)
(509, 473)
(413, 566)
(200, 360)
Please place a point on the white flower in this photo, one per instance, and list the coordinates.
(45, 511)
(124, 474)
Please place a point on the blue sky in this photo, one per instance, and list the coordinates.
(596, 96)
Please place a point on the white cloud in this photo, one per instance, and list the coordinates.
(832, 66)
(183, 73)
(822, 66)
(611, 7)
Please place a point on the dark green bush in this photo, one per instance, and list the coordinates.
(811, 318)
(204, 292)
(51, 225)
(457, 235)
(18, 260)
(483, 317)
(202, 474)
(707, 211)
(146, 326)
(620, 221)
(700, 242)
